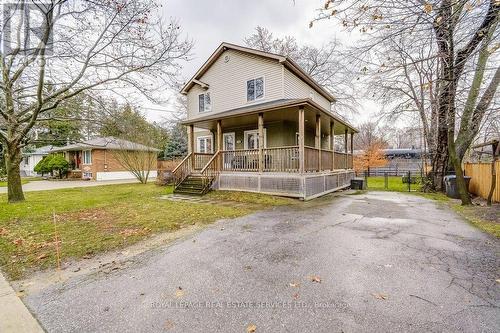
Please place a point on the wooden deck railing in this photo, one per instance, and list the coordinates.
(343, 160)
(281, 159)
(326, 160)
(183, 170)
(201, 159)
(210, 172)
(278, 159)
(240, 160)
(311, 159)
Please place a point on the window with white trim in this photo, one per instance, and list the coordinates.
(252, 139)
(87, 157)
(255, 89)
(204, 102)
(204, 144)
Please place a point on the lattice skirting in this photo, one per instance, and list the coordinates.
(286, 184)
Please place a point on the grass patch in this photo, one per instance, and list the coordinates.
(394, 184)
(96, 219)
(251, 198)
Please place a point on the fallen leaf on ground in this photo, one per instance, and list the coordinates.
(169, 325)
(315, 278)
(498, 280)
(179, 292)
(296, 296)
(294, 285)
(18, 241)
(380, 296)
(42, 256)
(251, 328)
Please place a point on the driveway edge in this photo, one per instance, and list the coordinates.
(14, 316)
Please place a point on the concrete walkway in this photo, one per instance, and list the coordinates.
(14, 317)
(375, 262)
(45, 185)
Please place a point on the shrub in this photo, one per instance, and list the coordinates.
(43, 166)
(59, 164)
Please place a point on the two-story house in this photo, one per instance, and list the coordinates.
(258, 122)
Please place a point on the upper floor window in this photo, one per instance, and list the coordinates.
(255, 89)
(204, 102)
(87, 157)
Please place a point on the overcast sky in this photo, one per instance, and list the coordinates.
(208, 23)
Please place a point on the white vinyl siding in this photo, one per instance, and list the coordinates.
(297, 88)
(227, 82)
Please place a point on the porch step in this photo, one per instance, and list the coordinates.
(193, 185)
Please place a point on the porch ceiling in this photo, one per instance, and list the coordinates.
(282, 110)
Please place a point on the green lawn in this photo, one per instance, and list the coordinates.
(96, 219)
(394, 184)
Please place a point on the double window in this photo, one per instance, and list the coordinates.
(204, 102)
(87, 157)
(255, 89)
(205, 144)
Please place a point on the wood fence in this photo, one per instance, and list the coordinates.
(480, 183)
(168, 165)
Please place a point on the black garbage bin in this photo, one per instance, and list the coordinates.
(358, 184)
(450, 183)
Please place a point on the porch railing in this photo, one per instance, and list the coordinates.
(240, 160)
(281, 159)
(210, 172)
(343, 160)
(311, 159)
(182, 170)
(326, 159)
(278, 159)
(201, 159)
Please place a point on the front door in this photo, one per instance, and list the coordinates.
(229, 141)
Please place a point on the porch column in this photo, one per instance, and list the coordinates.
(352, 150)
(318, 139)
(191, 139)
(191, 144)
(261, 142)
(345, 148)
(301, 139)
(219, 135)
(332, 143)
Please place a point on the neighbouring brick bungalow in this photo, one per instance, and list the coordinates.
(98, 158)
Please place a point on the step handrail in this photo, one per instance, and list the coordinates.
(183, 170)
(210, 171)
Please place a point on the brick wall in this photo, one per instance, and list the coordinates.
(104, 160)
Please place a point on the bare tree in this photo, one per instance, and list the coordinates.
(136, 158)
(83, 46)
(461, 30)
(324, 64)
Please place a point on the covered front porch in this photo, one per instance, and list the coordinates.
(279, 149)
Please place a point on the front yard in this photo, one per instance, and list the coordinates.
(95, 219)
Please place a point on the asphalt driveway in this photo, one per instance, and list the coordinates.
(377, 262)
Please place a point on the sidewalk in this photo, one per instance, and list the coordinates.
(45, 185)
(14, 316)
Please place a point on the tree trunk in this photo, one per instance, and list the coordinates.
(460, 180)
(13, 158)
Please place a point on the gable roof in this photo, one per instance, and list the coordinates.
(286, 61)
(107, 143)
